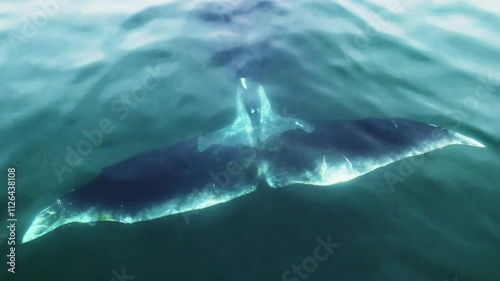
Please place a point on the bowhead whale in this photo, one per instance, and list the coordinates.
(260, 145)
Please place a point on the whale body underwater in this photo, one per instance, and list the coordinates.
(259, 145)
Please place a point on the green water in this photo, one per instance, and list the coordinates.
(430, 61)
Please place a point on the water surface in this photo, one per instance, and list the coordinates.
(69, 66)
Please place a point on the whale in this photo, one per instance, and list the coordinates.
(259, 146)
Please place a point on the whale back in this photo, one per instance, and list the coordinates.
(341, 150)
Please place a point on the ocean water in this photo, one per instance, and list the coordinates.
(69, 65)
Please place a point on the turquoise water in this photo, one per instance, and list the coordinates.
(70, 65)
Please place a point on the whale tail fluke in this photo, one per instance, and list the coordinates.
(256, 121)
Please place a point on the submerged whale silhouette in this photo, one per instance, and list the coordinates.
(259, 145)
